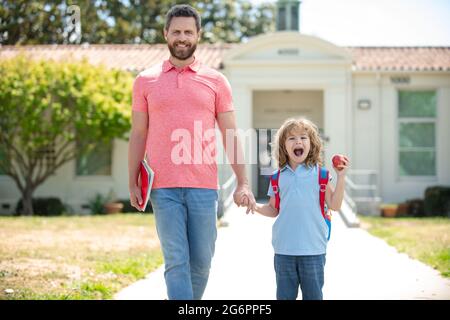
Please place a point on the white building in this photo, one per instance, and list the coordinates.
(387, 108)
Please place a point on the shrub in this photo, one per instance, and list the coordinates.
(44, 207)
(437, 201)
(127, 207)
(96, 203)
(416, 207)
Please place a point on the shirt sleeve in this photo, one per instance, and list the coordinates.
(224, 98)
(270, 192)
(139, 100)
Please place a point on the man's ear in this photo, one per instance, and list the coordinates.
(200, 34)
(165, 33)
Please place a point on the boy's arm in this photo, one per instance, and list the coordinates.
(334, 196)
(267, 209)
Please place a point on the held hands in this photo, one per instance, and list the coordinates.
(244, 197)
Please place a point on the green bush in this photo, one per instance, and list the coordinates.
(44, 207)
(415, 207)
(437, 201)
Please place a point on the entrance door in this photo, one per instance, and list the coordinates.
(270, 109)
(265, 162)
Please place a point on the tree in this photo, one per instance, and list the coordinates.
(51, 112)
(136, 21)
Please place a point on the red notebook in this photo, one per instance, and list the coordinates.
(147, 176)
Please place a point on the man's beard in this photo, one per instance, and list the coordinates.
(182, 54)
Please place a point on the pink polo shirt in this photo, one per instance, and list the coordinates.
(182, 106)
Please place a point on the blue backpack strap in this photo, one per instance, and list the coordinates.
(323, 181)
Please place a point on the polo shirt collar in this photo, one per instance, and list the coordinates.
(287, 166)
(194, 66)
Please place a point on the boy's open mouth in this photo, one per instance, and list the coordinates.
(298, 151)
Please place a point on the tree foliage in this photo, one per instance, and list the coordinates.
(101, 21)
(51, 112)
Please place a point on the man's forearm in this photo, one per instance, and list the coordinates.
(236, 158)
(136, 152)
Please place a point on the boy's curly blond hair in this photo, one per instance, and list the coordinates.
(279, 152)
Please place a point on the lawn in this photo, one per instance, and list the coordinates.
(424, 239)
(78, 257)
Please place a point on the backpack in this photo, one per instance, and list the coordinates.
(323, 181)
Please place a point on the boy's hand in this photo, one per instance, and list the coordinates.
(342, 167)
(245, 201)
(243, 196)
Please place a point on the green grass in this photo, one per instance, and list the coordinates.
(424, 239)
(78, 257)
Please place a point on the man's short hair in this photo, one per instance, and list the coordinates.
(182, 10)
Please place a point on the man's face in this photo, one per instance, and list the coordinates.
(182, 37)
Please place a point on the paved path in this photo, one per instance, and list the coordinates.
(359, 267)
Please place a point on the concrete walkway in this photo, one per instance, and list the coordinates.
(359, 267)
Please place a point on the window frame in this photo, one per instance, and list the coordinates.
(95, 177)
(433, 120)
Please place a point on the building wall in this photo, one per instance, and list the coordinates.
(331, 80)
(72, 190)
(375, 136)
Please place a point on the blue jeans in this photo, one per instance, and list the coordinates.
(186, 225)
(306, 271)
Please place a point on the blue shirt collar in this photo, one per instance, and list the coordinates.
(287, 166)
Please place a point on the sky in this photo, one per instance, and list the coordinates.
(376, 22)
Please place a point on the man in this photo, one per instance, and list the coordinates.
(178, 96)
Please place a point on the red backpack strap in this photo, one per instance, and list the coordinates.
(276, 190)
(323, 181)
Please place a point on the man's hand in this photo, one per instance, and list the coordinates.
(135, 197)
(243, 196)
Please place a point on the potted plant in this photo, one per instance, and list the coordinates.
(389, 210)
(112, 205)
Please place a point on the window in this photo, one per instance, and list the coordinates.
(417, 133)
(96, 162)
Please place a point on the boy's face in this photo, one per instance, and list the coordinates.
(182, 37)
(297, 145)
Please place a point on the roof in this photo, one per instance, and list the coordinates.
(401, 58)
(140, 57)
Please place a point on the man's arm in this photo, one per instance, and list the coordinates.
(227, 123)
(136, 152)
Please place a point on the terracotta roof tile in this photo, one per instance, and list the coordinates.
(401, 58)
(139, 57)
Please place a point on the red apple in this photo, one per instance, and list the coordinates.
(338, 160)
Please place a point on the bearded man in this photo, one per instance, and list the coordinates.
(175, 97)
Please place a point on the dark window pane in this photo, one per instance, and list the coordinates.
(417, 163)
(416, 104)
(96, 162)
(281, 19)
(2, 156)
(294, 17)
(417, 135)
